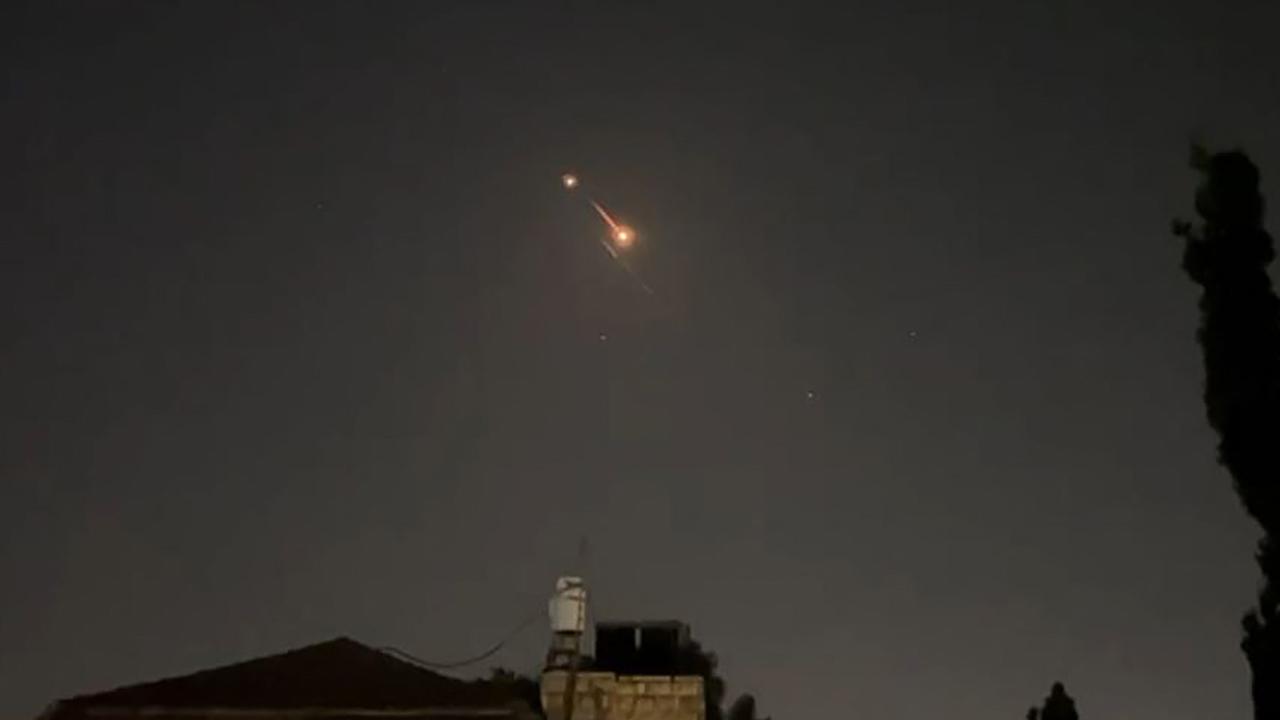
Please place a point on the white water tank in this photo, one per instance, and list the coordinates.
(568, 607)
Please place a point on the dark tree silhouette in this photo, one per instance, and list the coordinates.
(744, 708)
(694, 660)
(1058, 706)
(1240, 338)
(520, 686)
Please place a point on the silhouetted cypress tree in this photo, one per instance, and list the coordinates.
(1058, 706)
(1240, 339)
(744, 708)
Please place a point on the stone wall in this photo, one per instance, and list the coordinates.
(606, 696)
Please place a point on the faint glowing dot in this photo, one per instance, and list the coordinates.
(810, 394)
(603, 337)
(624, 236)
(569, 180)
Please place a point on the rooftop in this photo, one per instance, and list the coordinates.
(338, 678)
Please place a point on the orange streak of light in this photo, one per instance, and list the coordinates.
(608, 219)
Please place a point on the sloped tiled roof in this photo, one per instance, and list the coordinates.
(338, 674)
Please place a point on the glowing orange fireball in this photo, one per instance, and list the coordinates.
(623, 236)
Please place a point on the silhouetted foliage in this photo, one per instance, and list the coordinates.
(1240, 338)
(694, 660)
(520, 686)
(1058, 706)
(744, 708)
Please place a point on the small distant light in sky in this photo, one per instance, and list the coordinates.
(603, 337)
(569, 180)
(912, 333)
(811, 395)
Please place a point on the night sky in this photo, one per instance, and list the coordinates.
(300, 337)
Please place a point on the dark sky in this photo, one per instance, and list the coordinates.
(301, 338)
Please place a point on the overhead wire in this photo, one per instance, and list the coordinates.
(490, 652)
(493, 650)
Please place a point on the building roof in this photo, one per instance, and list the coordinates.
(317, 680)
(669, 624)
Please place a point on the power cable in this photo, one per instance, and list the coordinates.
(524, 624)
(471, 660)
